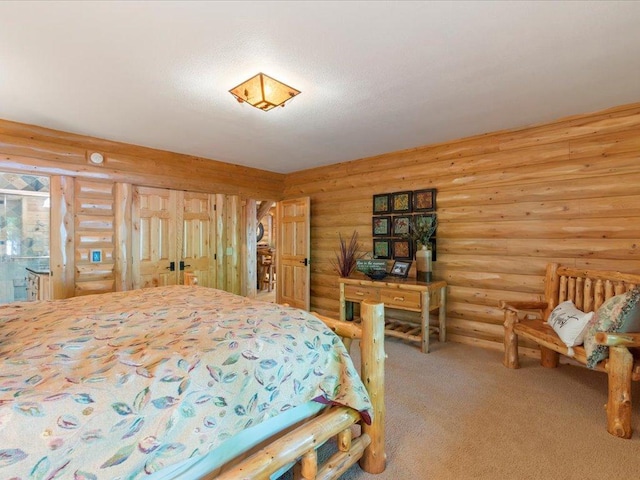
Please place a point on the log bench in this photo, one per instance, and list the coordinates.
(588, 289)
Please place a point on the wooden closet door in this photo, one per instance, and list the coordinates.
(198, 237)
(155, 237)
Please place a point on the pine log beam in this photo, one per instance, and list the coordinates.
(341, 328)
(618, 339)
(619, 401)
(264, 207)
(520, 307)
(287, 449)
(340, 462)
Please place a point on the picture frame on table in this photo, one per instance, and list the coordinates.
(400, 268)
(403, 249)
(401, 202)
(381, 226)
(424, 200)
(401, 225)
(381, 248)
(381, 203)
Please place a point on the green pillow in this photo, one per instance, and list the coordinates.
(620, 313)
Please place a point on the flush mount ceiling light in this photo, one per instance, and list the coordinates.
(263, 92)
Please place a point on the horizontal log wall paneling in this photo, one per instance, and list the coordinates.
(508, 203)
(29, 148)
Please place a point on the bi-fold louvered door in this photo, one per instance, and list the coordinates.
(173, 232)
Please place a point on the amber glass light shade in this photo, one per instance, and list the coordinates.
(263, 92)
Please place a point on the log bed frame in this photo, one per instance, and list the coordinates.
(299, 445)
(588, 289)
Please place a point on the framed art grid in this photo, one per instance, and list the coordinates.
(401, 202)
(381, 203)
(403, 249)
(381, 248)
(381, 226)
(424, 200)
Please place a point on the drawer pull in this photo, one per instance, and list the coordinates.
(360, 294)
(398, 299)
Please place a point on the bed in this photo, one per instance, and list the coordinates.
(184, 382)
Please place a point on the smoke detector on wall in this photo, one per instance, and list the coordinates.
(96, 158)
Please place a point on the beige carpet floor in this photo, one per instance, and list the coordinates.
(457, 413)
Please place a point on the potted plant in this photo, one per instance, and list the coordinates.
(345, 258)
(345, 263)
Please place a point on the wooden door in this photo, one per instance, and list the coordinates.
(198, 237)
(293, 221)
(154, 237)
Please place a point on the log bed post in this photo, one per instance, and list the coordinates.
(372, 371)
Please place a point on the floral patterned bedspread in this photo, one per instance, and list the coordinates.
(120, 385)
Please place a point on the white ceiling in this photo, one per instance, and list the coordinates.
(375, 76)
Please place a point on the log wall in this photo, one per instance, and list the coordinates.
(91, 204)
(508, 203)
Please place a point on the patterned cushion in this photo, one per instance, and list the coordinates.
(569, 323)
(620, 313)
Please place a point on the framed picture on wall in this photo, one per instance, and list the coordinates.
(96, 256)
(381, 226)
(402, 249)
(381, 203)
(381, 248)
(401, 225)
(424, 200)
(401, 202)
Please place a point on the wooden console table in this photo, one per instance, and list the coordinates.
(402, 294)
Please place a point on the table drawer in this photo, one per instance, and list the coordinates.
(358, 293)
(400, 298)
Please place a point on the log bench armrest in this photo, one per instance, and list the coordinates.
(618, 339)
(518, 307)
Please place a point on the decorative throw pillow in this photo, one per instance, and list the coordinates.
(620, 313)
(569, 323)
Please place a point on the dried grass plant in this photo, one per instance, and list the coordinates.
(345, 261)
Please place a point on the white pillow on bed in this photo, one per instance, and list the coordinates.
(569, 323)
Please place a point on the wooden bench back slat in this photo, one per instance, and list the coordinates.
(587, 289)
(579, 300)
(571, 289)
(587, 304)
